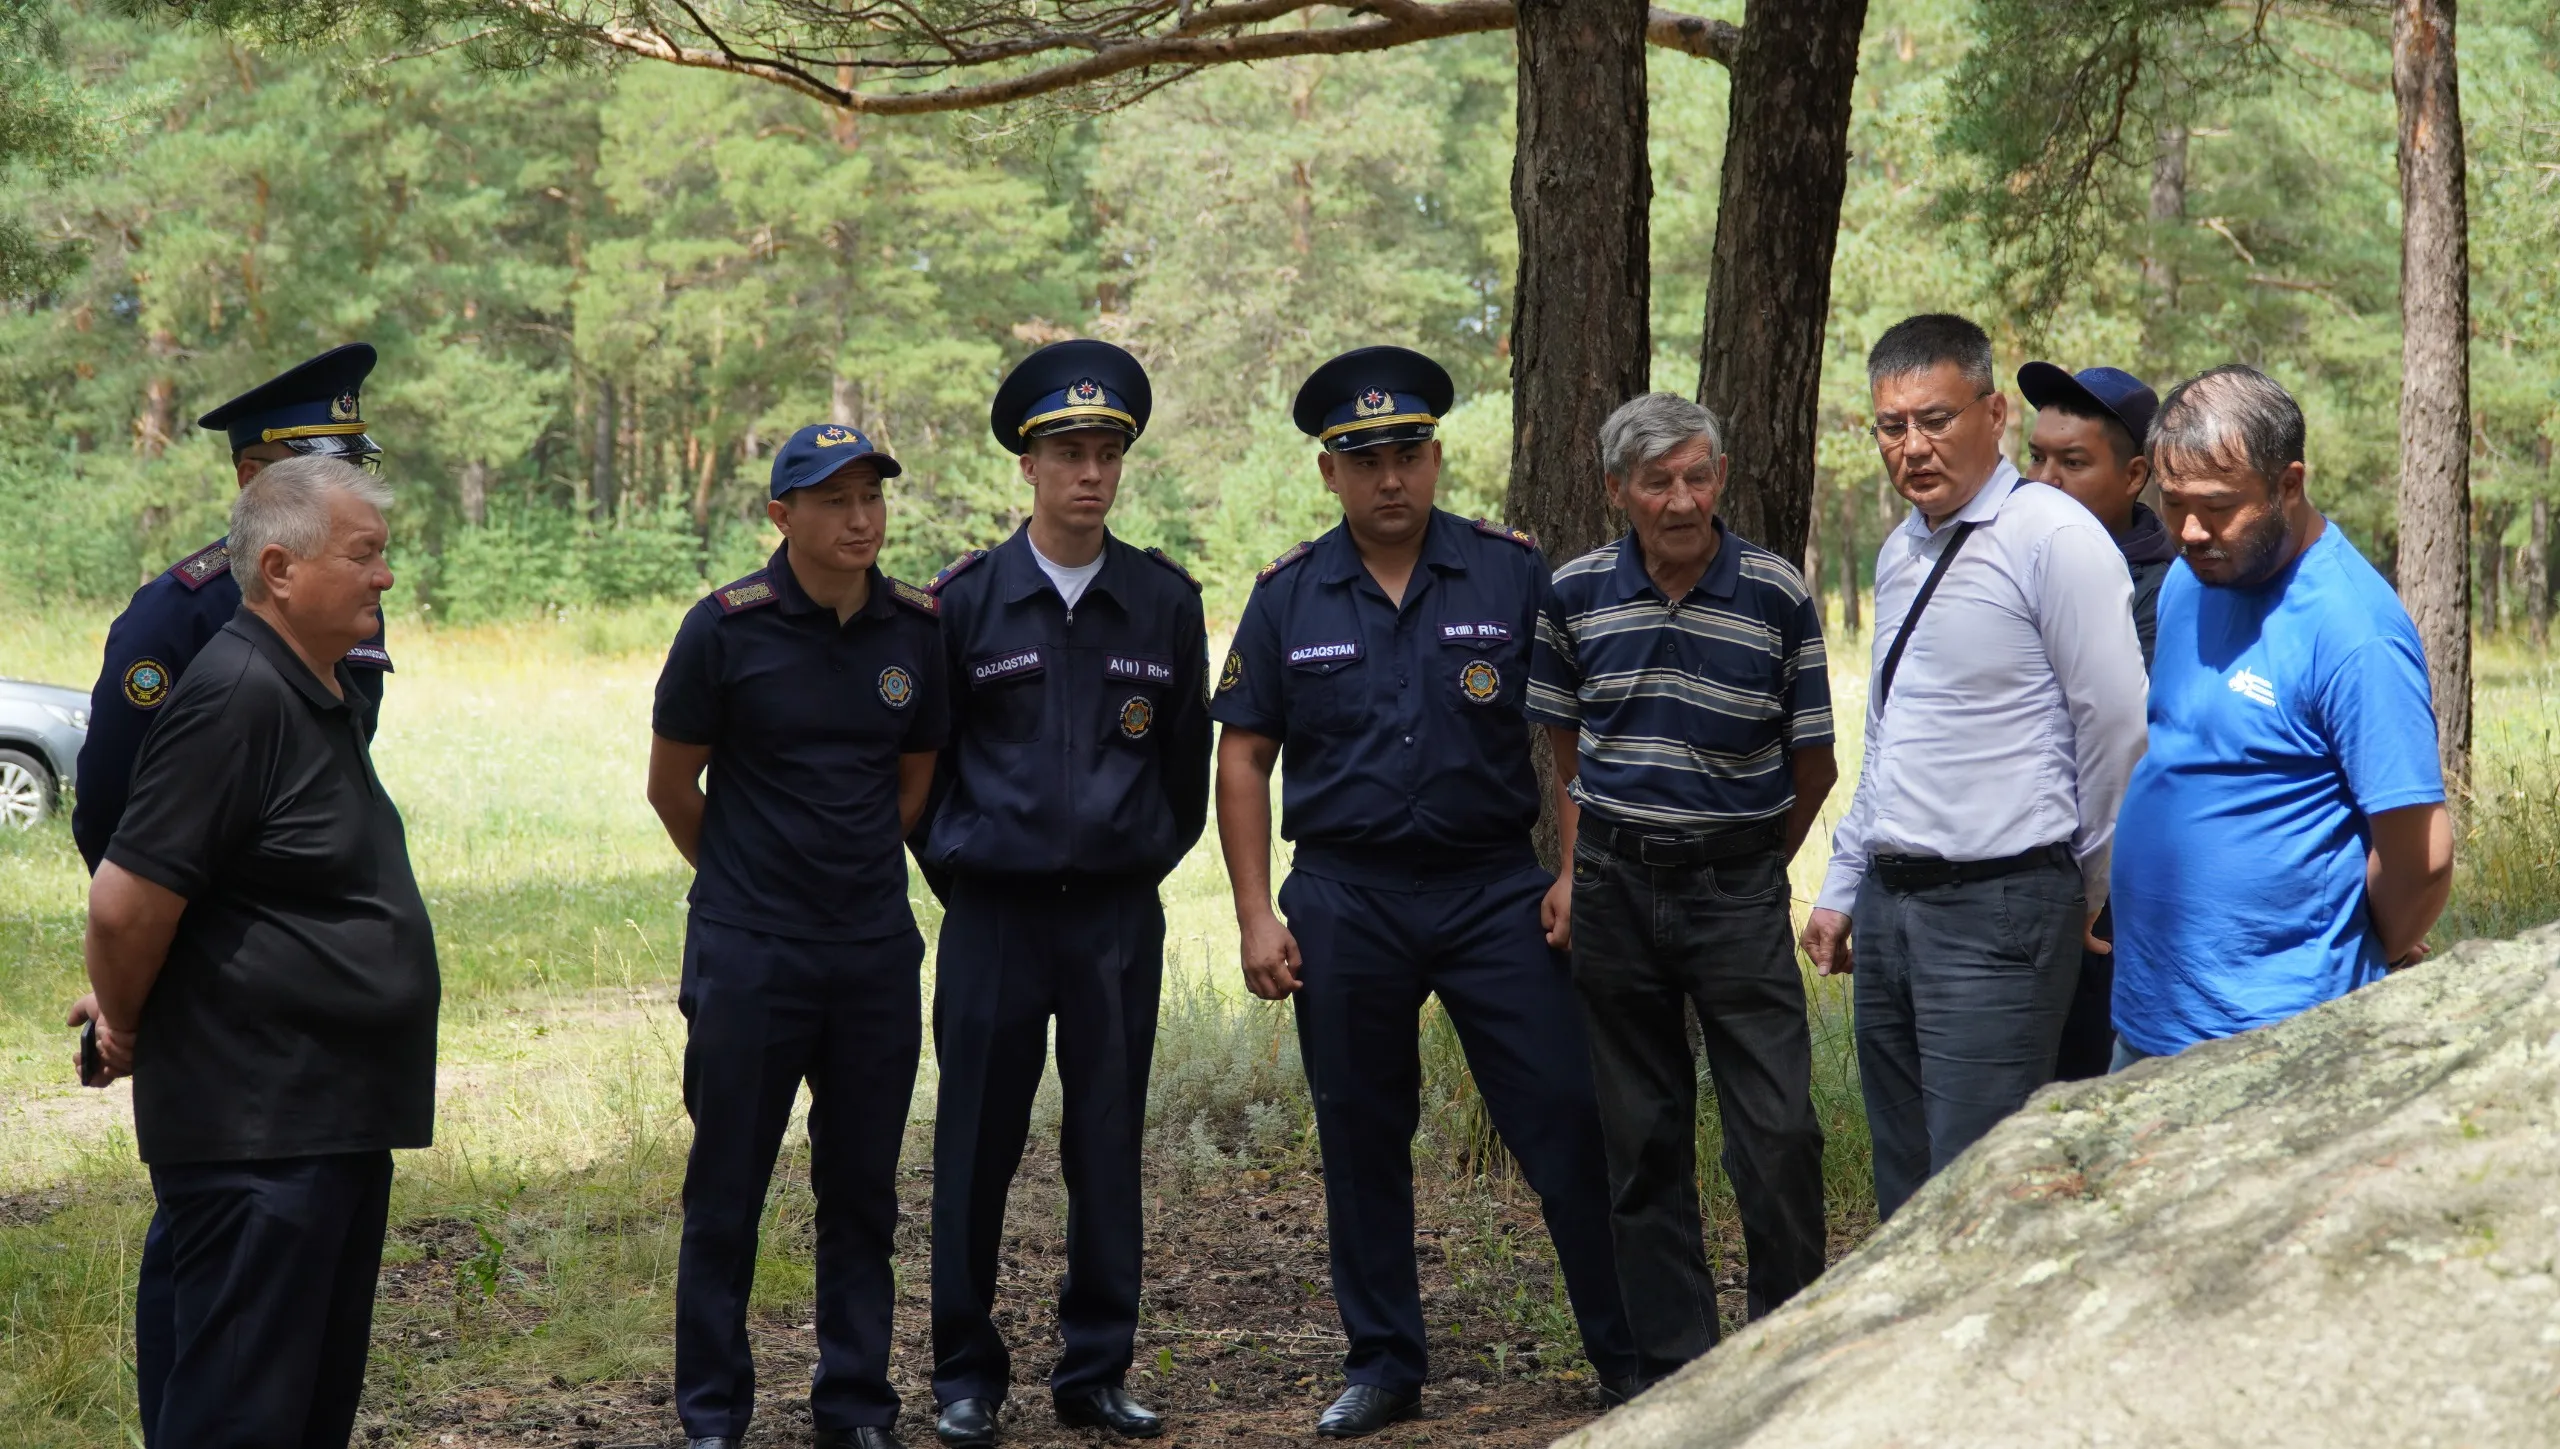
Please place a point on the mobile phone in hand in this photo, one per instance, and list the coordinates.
(93, 1067)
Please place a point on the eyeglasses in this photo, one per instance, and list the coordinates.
(370, 462)
(1932, 426)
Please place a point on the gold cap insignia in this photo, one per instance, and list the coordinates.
(342, 408)
(1086, 390)
(833, 437)
(1372, 403)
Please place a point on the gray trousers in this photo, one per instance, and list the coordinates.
(1961, 994)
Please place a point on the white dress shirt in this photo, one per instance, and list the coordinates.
(2017, 713)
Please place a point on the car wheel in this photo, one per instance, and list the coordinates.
(26, 790)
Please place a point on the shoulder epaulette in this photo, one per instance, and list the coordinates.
(752, 592)
(1300, 550)
(954, 569)
(913, 597)
(1184, 574)
(1520, 536)
(203, 566)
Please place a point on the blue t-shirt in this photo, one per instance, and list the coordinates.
(2282, 717)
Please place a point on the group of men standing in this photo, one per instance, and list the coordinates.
(1036, 726)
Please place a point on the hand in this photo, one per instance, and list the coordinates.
(2091, 940)
(1271, 958)
(2417, 953)
(1826, 940)
(115, 1048)
(1556, 911)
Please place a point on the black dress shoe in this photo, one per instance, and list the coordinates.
(867, 1436)
(967, 1424)
(1613, 1392)
(1364, 1409)
(1110, 1409)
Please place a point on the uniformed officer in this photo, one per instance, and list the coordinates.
(313, 408)
(812, 689)
(1387, 661)
(1078, 775)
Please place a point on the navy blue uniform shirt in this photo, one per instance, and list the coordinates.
(1079, 737)
(806, 719)
(151, 643)
(1404, 750)
(1688, 712)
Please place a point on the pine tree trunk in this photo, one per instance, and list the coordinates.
(1581, 187)
(159, 420)
(2435, 367)
(1786, 164)
(1849, 624)
(608, 431)
(2493, 531)
(2537, 570)
(474, 488)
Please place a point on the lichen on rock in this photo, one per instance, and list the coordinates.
(2341, 1230)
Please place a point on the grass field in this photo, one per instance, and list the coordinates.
(532, 1262)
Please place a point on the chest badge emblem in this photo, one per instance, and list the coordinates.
(146, 683)
(897, 687)
(1480, 681)
(2249, 684)
(1137, 717)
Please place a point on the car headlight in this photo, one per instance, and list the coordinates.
(73, 716)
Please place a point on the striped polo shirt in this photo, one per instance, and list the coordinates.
(1687, 709)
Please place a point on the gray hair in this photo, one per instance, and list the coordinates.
(286, 503)
(2226, 409)
(1932, 339)
(1645, 428)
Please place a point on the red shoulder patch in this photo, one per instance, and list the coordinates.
(954, 569)
(203, 566)
(1300, 550)
(1160, 556)
(752, 592)
(1520, 536)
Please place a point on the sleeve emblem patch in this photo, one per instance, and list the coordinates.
(1137, 717)
(1480, 681)
(897, 687)
(146, 683)
(1233, 674)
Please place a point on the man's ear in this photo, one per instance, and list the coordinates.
(1024, 462)
(1325, 465)
(245, 468)
(273, 563)
(1617, 491)
(1998, 407)
(2137, 475)
(2292, 483)
(780, 513)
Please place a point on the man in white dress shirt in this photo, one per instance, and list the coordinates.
(2004, 715)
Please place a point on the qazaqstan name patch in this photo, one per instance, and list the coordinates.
(1006, 666)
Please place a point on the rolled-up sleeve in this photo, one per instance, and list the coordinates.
(2084, 614)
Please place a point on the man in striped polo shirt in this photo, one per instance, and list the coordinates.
(1679, 671)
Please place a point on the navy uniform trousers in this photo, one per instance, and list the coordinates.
(1372, 954)
(268, 1279)
(1015, 952)
(763, 1014)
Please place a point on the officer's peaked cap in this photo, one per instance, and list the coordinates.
(1372, 396)
(314, 407)
(1068, 386)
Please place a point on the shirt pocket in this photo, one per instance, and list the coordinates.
(1328, 685)
(1481, 670)
(1134, 689)
(1008, 694)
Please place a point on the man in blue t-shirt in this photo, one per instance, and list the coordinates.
(2285, 839)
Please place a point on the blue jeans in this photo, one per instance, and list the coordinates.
(2126, 1055)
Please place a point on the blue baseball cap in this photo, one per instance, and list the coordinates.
(815, 453)
(2110, 390)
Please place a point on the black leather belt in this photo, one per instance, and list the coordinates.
(1920, 872)
(1655, 849)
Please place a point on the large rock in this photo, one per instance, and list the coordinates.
(2338, 1231)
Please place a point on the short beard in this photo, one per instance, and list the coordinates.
(2257, 553)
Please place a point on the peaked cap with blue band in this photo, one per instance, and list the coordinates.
(817, 451)
(312, 407)
(1371, 396)
(1069, 386)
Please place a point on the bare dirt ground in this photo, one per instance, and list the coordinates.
(1239, 1346)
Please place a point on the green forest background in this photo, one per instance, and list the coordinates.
(603, 294)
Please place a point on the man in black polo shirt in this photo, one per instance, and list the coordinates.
(813, 691)
(264, 967)
(1679, 671)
